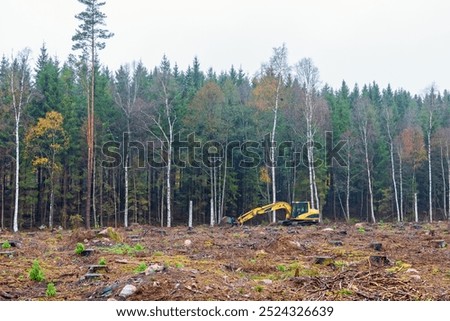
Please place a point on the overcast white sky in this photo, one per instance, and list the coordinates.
(404, 43)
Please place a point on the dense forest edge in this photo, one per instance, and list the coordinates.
(82, 145)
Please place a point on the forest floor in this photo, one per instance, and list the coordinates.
(323, 262)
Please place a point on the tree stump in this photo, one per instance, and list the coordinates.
(323, 260)
(336, 242)
(87, 252)
(379, 260)
(376, 246)
(96, 268)
(439, 244)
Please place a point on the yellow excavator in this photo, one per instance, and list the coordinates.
(297, 213)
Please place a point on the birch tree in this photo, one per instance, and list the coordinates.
(430, 105)
(308, 76)
(278, 66)
(162, 116)
(363, 120)
(125, 90)
(388, 122)
(20, 93)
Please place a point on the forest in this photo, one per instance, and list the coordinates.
(81, 144)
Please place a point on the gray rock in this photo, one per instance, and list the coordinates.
(415, 277)
(127, 291)
(103, 232)
(154, 268)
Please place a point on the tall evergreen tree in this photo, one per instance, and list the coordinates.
(89, 39)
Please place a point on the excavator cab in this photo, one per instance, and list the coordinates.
(299, 208)
(302, 214)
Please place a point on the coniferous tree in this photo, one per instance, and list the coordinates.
(89, 39)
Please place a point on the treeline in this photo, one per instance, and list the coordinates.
(221, 133)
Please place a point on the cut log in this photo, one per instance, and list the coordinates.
(136, 238)
(379, 260)
(90, 276)
(439, 244)
(7, 253)
(336, 242)
(377, 246)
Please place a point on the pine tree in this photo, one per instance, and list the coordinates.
(88, 38)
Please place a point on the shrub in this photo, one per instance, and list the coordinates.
(51, 290)
(259, 288)
(281, 268)
(102, 261)
(79, 248)
(75, 221)
(6, 245)
(141, 268)
(36, 273)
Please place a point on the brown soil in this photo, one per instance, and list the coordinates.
(234, 263)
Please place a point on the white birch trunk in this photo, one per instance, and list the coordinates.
(416, 212)
(168, 182)
(273, 149)
(16, 195)
(190, 215)
(211, 216)
(222, 201)
(17, 104)
(369, 175)
(347, 196)
(448, 180)
(125, 212)
(430, 188)
(391, 152)
(400, 172)
(444, 185)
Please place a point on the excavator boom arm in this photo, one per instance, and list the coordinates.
(263, 210)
